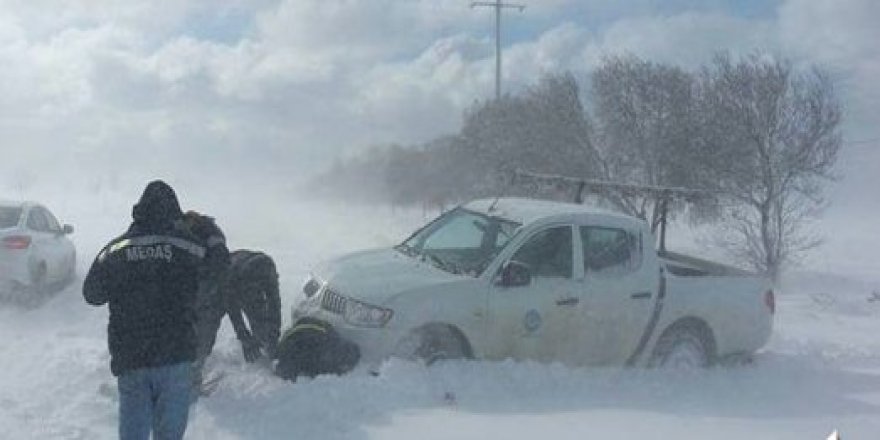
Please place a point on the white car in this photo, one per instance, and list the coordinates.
(548, 281)
(35, 253)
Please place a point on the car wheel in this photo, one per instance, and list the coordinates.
(682, 348)
(38, 280)
(30, 295)
(432, 344)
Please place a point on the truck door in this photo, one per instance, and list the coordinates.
(533, 321)
(619, 290)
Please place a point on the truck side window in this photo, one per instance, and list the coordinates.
(548, 253)
(609, 251)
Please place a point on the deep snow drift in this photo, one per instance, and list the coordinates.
(820, 372)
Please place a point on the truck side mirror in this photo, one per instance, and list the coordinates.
(515, 274)
(68, 229)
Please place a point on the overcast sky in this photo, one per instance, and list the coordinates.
(104, 87)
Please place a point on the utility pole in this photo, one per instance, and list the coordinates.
(498, 5)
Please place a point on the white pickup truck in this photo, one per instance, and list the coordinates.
(547, 281)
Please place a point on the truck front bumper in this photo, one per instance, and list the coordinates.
(376, 344)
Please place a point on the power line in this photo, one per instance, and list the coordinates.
(498, 5)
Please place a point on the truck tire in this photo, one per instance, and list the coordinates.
(683, 346)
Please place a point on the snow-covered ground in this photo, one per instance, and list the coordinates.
(820, 371)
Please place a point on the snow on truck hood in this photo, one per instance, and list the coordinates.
(376, 276)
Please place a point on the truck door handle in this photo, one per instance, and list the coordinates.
(641, 295)
(567, 301)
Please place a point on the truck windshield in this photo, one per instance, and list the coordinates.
(460, 241)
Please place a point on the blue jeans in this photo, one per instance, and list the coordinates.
(155, 399)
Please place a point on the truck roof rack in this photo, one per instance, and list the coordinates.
(662, 194)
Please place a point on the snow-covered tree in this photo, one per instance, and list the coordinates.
(775, 134)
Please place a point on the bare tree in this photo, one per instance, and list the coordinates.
(775, 136)
(543, 129)
(644, 113)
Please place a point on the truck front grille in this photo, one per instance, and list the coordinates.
(333, 302)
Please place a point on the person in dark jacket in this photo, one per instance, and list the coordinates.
(244, 282)
(312, 347)
(210, 304)
(251, 288)
(248, 289)
(149, 277)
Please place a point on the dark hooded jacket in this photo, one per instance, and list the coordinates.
(149, 277)
(205, 229)
(252, 289)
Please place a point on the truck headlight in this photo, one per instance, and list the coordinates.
(311, 286)
(365, 315)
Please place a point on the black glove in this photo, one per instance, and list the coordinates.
(250, 347)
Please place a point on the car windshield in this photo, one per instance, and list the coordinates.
(460, 241)
(9, 216)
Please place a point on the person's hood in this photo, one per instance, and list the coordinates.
(157, 208)
(376, 276)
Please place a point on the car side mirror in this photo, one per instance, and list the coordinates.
(68, 229)
(515, 274)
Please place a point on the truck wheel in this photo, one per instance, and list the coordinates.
(432, 344)
(681, 348)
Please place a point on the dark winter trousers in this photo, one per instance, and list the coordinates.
(209, 315)
(265, 333)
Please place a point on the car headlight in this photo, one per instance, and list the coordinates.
(365, 315)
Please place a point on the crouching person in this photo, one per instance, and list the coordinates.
(149, 277)
(251, 290)
(312, 347)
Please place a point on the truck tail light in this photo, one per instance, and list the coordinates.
(770, 301)
(17, 242)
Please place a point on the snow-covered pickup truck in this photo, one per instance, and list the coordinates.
(548, 281)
